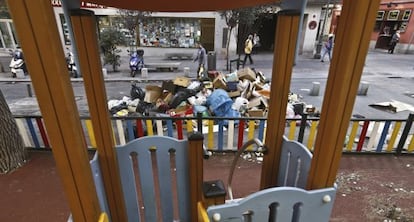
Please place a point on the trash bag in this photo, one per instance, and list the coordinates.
(181, 96)
(118, 108)
(137, 92)
(219, 102)
(144, 107)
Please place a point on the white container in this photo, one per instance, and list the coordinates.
(144, 72)
(187, 71)
(104, 73)
(20, 74)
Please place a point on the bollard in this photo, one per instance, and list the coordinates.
(20, 74)
(29, 90)
(315, 89)
(104, 72)
(187, 71)
(144, 72)
(363, 88)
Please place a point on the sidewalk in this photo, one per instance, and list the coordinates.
(389, 77)
(377, 62)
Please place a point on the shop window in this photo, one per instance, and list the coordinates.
(170, 32)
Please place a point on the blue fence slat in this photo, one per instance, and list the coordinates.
(33, 132)
(220, 136)
(170, 128)
(130, 130)
(261, 130)
(383, 136)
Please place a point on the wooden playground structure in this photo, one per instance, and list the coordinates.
(36, 26)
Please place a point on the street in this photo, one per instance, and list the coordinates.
(389, 77)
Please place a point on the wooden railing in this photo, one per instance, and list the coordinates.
(229, 134)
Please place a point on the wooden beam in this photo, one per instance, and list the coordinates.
(84, 31)
(195, 155)
(284, 53)
(38, 34)
(351, 46)
(183, 5)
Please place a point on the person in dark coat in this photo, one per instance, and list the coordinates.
(394, 40)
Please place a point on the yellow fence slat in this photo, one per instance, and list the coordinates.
(189, 125)
(230, 135)
(394, 136)
(121, 133)
(250, 133)
(292, 130)
(210, 136)
(91, 135)
(352, 136)
(23, 133)
(411, 146)
(312, 133)
(150, 130)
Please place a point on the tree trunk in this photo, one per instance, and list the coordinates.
(12, 151)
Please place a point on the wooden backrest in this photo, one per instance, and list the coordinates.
(294, 164)
(149, 166)
(279, 204)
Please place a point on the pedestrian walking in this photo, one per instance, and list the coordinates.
(201, 58)
(248, 47)
(394, 40)
(327, 48)
(256, 43)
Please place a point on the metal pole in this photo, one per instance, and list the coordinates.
(67, 6)
(299, 5)
(405, 132)
(319, 45)
(29, 90)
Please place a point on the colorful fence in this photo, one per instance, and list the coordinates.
(224, 134)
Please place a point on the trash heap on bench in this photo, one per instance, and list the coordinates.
(242, 93)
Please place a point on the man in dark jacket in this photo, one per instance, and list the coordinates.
(201, 58)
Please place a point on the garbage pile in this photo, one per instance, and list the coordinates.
(242, 93)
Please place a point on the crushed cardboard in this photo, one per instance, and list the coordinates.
(244, 83)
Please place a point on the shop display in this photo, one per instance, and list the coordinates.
(170, 32)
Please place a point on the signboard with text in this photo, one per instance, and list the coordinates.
(58, 3)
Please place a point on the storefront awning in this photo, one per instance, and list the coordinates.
(182, 5)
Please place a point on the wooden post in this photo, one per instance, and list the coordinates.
(351, 47)
(284, 53)
(84, 32)
(36, 26)
(195, 155)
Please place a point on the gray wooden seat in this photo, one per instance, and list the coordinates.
(278, 204)
(155, 178)
(294, 164)
(287, 202)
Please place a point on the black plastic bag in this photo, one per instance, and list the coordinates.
(137, 92)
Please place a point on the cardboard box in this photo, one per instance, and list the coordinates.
(169, 86)
(234, 94)
(182, 81)
(167, 97)
(256, 113)
(254, 102)
(232, 86)
(208, 84)
(152, 93)
(257, 101)
(212, 74)
(246, 73)
(219, 83)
